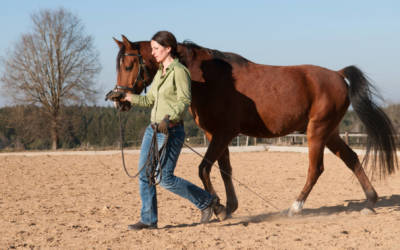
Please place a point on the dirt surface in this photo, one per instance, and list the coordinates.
(87, 201)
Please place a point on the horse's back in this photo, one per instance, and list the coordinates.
(287, 97)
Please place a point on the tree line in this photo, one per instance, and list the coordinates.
(87, 127)
(27, 127)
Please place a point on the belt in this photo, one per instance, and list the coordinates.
(174, 124)
(170, 125)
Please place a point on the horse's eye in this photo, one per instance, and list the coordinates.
(128, 68)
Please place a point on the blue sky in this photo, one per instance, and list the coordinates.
(332, 34)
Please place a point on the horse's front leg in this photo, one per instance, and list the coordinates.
(226, 173)
(214, 151)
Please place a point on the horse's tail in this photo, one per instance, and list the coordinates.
(380, 131)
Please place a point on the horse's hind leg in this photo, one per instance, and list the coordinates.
(344, 152)
(315, 135)
(226, 173)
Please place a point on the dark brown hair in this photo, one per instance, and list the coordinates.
(167, 39)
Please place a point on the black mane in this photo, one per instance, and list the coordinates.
(192, 47)
(216, 54)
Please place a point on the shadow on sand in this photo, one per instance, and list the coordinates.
(187, 225)
(392, 201)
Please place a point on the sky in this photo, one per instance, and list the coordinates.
(331, 34)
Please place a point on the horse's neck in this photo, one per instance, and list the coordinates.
(190, 57)
(151, 64)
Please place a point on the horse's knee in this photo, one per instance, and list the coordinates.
(203, 172)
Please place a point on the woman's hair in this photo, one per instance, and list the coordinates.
(167, 39)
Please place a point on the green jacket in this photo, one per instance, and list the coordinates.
(170, 94)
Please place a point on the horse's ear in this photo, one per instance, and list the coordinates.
(119, 43)
(126, 42)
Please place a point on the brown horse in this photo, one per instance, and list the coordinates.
(232, 95)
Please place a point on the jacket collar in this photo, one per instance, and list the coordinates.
(170, 66)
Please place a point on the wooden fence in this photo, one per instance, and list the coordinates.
(352, 139)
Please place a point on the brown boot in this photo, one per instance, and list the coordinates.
(139, 226)
(207, 213)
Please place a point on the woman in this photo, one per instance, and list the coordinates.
(169, 95)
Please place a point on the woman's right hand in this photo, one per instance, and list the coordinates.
(127, 97)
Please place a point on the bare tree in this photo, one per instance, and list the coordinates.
(52, 66)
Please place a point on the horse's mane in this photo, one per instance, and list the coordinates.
(192, 47)
(216, 54)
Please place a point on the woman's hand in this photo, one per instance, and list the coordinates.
(127, 97)
(114, 95)
(163, 126)
(121, 100)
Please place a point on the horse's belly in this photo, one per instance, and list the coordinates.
(273, 124)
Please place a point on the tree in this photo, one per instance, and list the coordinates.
(52, 66)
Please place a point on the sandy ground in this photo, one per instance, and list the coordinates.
(87, 201)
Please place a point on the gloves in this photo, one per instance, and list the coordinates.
(163, 125)
(123, 105)
(114, 95)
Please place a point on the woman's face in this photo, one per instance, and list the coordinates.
(159, 52)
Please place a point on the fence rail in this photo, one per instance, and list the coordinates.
(352, 139)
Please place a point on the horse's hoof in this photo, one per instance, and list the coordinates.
(292, 213)
(367, 211)
(296, 208)
(284, 212)
(220, 212)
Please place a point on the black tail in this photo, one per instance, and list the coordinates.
(381, 134)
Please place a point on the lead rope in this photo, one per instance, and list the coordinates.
(154, 160)
(153, 163)
(230, 175)
(161, 156)
(121, 142)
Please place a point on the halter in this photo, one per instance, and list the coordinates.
(139, 77)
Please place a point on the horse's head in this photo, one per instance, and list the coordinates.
(132, 75)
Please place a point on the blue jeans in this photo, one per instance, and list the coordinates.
(199, 197)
